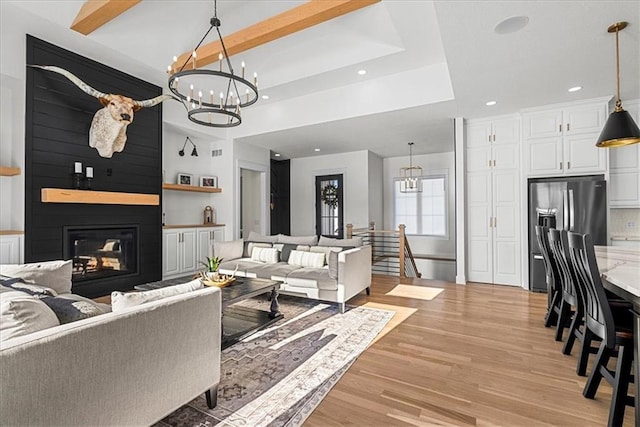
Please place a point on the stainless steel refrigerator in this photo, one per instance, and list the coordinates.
(574, 204)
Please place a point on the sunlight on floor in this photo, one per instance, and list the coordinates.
(418, 292)
(402, 314)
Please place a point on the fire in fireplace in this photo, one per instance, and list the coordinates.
(101, 252)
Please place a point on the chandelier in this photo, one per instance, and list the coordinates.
(620, 129)
(411, 177)
(212, 97)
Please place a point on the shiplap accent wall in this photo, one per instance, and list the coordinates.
(58, 117)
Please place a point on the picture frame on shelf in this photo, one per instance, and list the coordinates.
(209, 181)
(184, 179)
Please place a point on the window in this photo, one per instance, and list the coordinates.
(423, 213)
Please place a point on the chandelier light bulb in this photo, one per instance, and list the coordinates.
(255, 79)
(221, 100)
(194, 55)
(175, 58)
(242, 69)
(168, 68)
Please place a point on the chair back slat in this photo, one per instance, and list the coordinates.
(550, 264)
(598, 316)
(566, 272)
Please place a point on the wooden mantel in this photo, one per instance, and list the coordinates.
(63, 195)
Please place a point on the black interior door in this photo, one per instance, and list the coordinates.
(329, 203)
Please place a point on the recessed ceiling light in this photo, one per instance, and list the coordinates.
(490, 103)
(511, 24)
(575, 88)
(277, 154)
(265, 96)
(362, 72)
(316, 149)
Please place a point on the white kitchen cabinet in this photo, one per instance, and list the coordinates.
(12, 249)
(184, 248)
(493, 193)
(561, 141)
(624, 166)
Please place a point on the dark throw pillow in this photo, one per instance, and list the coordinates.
(70, 310)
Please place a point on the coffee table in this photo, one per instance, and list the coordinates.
(237, 322)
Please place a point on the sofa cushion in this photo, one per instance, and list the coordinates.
(317, 278)
(326, 250)
(333, 264)
(22, 314)
(70, 307)
(298, 240)
(266, 255)
(329, 241)
(121, 301)
(286, 248)
(32, 289)
(228, 250)
(248, 248)
(52, 274)
(255, 237)
(306, 259)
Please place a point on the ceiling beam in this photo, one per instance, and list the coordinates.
(299, 18)
(95, 13)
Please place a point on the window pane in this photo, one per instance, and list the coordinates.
(422, 213)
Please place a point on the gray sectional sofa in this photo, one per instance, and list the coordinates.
(328, 269)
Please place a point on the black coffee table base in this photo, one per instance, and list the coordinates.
(239, 322)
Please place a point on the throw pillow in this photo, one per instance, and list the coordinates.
(326, 250)
(71, 309)
(228, 250)
(306, 259)
(328, 241)
(333, 264)
(248, 248)
(52, 274)
(121, 300)
(255, 237)
(31, 289)
(298, 240)
(286, 248)
(22, 314)
(266, 255)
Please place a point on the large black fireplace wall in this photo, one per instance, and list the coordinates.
(58, 117)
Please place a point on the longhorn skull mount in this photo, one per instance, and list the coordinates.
(108, 132)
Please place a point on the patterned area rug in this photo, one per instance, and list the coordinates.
(278, 376)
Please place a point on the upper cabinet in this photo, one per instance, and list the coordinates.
(561, 141)
(624, 165)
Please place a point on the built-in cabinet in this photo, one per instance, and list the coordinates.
(11, 247)
(184, 248)
(493, 196)
(561, 141)
(624, 178)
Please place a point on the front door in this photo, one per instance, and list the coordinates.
(329, 220)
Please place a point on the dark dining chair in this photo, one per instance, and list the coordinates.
(570, 296)
(613, 327)
(552, 277)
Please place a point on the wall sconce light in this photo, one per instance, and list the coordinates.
(194, 152)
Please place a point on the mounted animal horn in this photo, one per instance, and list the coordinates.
(108, 132)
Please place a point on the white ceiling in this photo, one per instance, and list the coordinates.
(427, 62)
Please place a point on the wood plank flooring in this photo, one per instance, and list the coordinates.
(475, 355)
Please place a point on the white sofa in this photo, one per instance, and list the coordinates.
(353, 269)
(130, 367)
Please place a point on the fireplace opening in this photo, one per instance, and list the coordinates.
(101, 252)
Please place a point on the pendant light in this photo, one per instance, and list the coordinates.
(620, 129)
(411, 177)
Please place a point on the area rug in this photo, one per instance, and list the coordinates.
(278, 376)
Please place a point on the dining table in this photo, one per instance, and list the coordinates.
(620, 272)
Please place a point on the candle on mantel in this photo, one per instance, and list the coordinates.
(78, 167)
(89, 172)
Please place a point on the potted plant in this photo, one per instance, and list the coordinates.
(212, 266)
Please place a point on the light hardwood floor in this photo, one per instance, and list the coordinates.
(474, 355)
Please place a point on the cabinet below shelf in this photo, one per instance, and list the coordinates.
(9, 171)
(180, 187)
(63, 195)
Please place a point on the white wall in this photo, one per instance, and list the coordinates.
(251, 202)
(426, 244)
(376, 188)
(250, 157)
(354, 168)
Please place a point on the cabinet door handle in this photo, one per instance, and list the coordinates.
(495, 222)
(560, 165)
(560, 127)
(568, 165)
(568, 127)
(489, 163)
(490, 222)
(489, 137)
(494, 163)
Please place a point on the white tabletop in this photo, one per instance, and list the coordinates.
(620, 267)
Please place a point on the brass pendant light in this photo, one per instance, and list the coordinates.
(620, 129)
